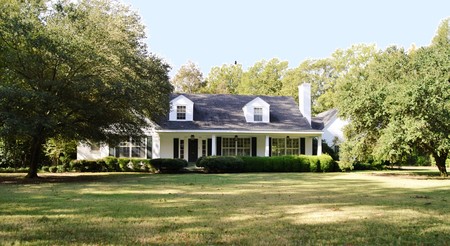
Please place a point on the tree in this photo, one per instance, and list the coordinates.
(325, 74)
(76, 69)
(189, 79)
(224, 79)
(264, 78)
(400, 103)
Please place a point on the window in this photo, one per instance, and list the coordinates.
(138, 148)
(181, 155)
(292, 146)
(204, 148)
(285, 146)
(278, 146)
(133, 148)
(181, 112)
(236, 147)
(257, 114)
(123, 150)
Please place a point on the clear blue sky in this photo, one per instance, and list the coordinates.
(215, 32)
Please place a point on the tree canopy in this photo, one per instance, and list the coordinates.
(188, 79)
(79, 70)
(400, 102)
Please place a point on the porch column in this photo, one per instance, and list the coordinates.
(267, 147)
(308, 146)
(213, 145)
(319, 145)
(156, 146)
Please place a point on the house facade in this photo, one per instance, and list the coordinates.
(224, 125)
(332, 126)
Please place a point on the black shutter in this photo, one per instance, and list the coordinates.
(270, 146)
(219, 146)
(253, 146)
(302, 146)
(209, 147)
(175, 147)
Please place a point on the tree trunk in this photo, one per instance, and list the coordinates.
(36, 148)
(440, 163)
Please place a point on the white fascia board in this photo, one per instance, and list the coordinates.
(311, 132)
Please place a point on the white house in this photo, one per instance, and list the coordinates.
(229, 125)
(332, 127)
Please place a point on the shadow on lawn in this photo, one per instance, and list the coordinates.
(270, 209)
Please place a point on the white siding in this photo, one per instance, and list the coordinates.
(181, 101)
(257, 103)
(334, 129)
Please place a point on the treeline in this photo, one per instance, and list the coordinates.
(274, 77)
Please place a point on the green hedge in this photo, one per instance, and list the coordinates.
(110, 164)
(302, 163)
(221, 164)
(166, 165)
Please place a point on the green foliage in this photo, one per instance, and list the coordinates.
(76, 69)
(60, 151)
(188, 79)
(399, 103)
(88, 166)
(166, 165)
(264, 78)
(112, 164)
(224, 80)
(327, 164)
(220, 164)
(300, 163)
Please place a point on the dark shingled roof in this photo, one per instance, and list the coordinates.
(224, 112)
(322, 119)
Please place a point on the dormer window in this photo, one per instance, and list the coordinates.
(181, 112)
(257, 111)
(257, 114)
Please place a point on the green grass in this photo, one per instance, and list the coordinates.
(366, 208)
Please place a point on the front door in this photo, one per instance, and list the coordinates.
(193, 150)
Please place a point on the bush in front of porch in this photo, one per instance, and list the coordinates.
(301, 163)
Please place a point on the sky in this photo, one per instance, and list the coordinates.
(215, 32)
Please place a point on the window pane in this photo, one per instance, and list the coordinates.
(181, 149)
(257, 114)
(181, 112)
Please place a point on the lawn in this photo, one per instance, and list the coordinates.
(365, 208)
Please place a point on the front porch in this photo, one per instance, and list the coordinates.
(192, 145)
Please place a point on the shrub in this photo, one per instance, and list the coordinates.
(53, 169)
(112, 164)
(166, 165)
(61, 168)
(345, 166)
(126, 164)
(45, 168)
(13, 170)
(302, 164)
(88, 165)
(141, 165)
(327, 163)
(314, 164)
(255, 164)
(218, 164)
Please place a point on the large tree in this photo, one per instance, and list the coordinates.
(325, 74)
(224, 79)
(76, 69)
(264, 78)
(400, 103)
(188, 79)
